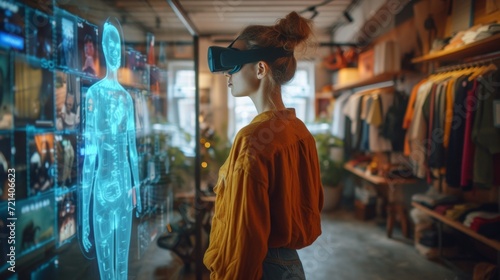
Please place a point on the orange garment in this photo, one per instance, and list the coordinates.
(410, 109)
(448, 117)
(269, 195)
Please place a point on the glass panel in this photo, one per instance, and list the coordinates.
(97, 138)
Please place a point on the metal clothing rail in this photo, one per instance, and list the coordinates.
(474, 61)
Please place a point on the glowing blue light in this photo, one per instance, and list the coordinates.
(110, 169)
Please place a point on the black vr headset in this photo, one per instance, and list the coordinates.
(231, 60)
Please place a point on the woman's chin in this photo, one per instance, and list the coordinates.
(235, 93)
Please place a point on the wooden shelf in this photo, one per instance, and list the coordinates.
(488, 45)
(389, 76)
(458, 226)
(374, 179)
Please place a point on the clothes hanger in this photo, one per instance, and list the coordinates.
(478, 72)
(484, 70)
(492, 67)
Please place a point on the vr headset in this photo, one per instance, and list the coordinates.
(231, 60)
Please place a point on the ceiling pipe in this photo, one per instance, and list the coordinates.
(183, 16)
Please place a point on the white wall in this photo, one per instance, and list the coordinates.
(364, 22)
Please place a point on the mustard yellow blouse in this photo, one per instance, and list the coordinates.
(269, 195)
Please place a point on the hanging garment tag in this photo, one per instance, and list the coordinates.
(496, 113)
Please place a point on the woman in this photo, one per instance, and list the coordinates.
(269, 193)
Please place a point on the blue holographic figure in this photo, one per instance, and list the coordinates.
(110, 169)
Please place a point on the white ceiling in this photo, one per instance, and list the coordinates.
(210, 17)
(230, 16)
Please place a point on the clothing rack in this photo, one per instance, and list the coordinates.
(472, 62)
(475, 61)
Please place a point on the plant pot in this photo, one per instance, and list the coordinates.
(332, 196)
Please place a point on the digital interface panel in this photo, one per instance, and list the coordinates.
(66, 155)
(6, 105)
(39, 35)
(41, 163)
(66, 41)
(5, 164)
(34, 227)
(67, 95)
(88, 35)
(66, 216)
(53, 66)
(11, 26)
(34, 93)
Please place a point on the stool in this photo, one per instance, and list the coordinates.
(396, 212)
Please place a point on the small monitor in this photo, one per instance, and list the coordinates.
(88, 44)
(12, 26)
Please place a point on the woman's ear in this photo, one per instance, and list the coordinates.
(262, 69)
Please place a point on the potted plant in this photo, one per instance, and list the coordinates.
(331, 163)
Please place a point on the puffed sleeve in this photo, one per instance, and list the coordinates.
(242, 228)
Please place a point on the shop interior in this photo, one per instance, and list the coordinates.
(402, 97)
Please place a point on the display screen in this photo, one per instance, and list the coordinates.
(39, 36)
(11, 26)
(34, 93)
(144, 154)
(6, 116)
(35, 223)
(66, 40)
(135, 72)
(41, 163)
(66, 216)
(20, 155)
(34, 227)
(67, 92)
(5, 165)
(142, 124)
(88, 35)
(65, 147)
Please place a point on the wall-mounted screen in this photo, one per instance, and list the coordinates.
(6, 105)
(11, 26)
(66, 47)
(39, 35)
(65, 147)
(20, 155)
(66, 216)
(41, 163)
(142, 123)
(33, 94)
(67, 92)
(135, 72)
(5, 165)
(88, 35)
(35, 227)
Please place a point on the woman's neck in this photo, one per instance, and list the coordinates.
(268, 98)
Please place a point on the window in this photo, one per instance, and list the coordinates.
(298, 94)
(181, 97)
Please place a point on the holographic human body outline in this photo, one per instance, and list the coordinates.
(110, 169)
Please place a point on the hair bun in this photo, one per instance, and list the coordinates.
(293, 30)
